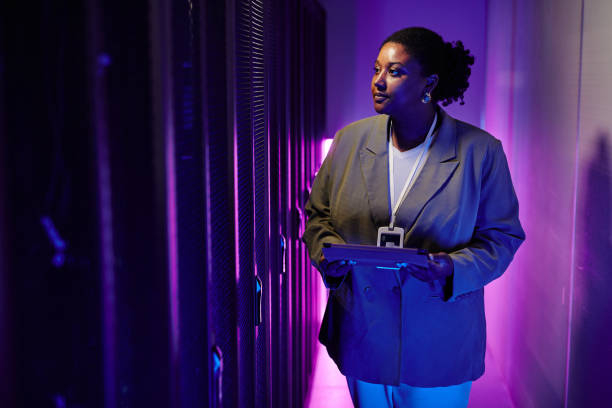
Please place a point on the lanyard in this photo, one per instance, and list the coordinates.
(415, 167)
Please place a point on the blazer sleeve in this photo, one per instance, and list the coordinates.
(319, 225)
(497, 233)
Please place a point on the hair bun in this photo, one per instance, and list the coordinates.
(456, 65)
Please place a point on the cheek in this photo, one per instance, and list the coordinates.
(405, 92)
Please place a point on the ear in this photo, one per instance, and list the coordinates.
(432, 82)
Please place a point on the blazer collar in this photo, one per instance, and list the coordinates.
(377, 139)
(440, 165)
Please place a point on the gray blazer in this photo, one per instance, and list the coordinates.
(385, 328)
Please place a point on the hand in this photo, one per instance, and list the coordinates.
(335, 269)
(439, 266)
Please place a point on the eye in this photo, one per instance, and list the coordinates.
(376, 70)
(394, 72)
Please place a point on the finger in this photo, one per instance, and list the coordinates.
(334, 272)
(421, 275)
(412, 267)
(439, 268)
(417, 270)
(344, 269)
(339, 269)
(414, 270)
(331, 266)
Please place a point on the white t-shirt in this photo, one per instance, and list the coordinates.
(402, 166)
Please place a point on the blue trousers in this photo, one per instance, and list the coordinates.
(368, 395)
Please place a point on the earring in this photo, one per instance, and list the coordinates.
(426, 98)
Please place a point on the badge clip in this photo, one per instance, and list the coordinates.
(390, 237)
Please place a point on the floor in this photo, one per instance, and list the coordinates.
(329, 387)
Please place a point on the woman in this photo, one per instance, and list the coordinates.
(413, 337)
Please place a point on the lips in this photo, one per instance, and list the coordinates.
(378, 97)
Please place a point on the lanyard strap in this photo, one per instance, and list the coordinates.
(415, 167)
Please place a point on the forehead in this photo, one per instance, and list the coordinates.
(393, 52)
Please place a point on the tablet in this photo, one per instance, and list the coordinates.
(381, 257)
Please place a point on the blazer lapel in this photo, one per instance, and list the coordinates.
(438, 168)
(375, 171)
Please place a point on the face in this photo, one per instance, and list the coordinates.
(397, 84)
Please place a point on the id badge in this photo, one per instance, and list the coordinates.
(388, 237)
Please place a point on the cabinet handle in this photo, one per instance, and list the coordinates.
(258, 301)
(283, 243)
(217, 360)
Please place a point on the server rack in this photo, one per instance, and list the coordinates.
(275, 116)
(188, 137)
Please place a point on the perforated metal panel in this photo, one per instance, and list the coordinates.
(218, 165)
(269, 363)
(278, 357)
(248, 99)
(261, 190)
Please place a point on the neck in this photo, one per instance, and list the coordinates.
(410, 131)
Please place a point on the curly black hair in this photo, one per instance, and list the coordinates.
(450, 61)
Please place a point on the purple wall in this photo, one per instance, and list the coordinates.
(532, 101)
(548, 84)
(357, 28)
(591, 337)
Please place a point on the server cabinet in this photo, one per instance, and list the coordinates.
(193, 362)
(131, 75)
(217, 85)
(147, 79)
(51, 333)
(267, 335)
(106, 219)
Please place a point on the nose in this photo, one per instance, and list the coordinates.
(379, 81)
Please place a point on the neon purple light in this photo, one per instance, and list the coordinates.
(325, 146)
(291, 246)
(107, 258)
(172, 239)
(236, 226)
(575, 193)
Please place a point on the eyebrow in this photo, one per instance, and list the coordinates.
(390, 63)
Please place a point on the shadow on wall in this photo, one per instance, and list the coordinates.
(591, 354)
